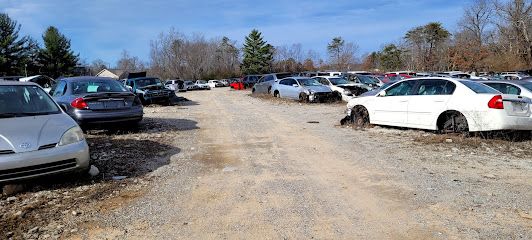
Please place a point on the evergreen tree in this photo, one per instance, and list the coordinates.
(56, 57)
(390, 58)
(14, 50)
(258, 55)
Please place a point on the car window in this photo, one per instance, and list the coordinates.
(435, 87)
(284, 82)
(96, 86)
(400, 89)
(323, 81)
(24, 100)
(60, 89)
(505, 88)
(479, 87)
(282, 75)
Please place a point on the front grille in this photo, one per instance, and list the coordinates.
(47, 146)
(36, 169)
(5, 152)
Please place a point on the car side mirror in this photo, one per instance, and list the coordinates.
(382, 94)
(295, 85)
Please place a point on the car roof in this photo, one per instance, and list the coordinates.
(84, 78)
(16, 83)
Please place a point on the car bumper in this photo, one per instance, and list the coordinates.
(320, 96)
(61, 159)
(84, 117)
(499, 120)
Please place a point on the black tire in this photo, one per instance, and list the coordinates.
(269, 90)
(253, 90)
(360, 117)
(337, 97)
(303, 98)
(452, 122)
(276, 94)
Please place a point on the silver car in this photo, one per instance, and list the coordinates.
(303, 89)
(37, 137)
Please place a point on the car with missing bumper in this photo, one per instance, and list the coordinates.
(303, 89)
(97, 101)
(37, 138)
(443, 104)
(150, 90)
(343, 89)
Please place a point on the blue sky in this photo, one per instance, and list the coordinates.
(103, 28)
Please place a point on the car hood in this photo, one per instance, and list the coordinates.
(25, 134)
(318, 88)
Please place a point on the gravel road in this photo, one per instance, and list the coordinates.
(261, 168)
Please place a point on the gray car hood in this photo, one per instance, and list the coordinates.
(318, 88)
(25, 134)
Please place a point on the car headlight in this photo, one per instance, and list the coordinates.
(72, 135)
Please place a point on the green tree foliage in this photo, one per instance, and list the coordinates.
(334, 48)
(15, 51)
(56, 57)
(390, 57)
(258, 55)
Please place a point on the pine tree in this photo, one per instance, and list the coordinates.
(56, 57)
(258, 55)
(14, 50)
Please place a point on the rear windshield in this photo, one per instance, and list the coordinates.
(283, 75)
(527, 86)
(21, 101)
(479, 87)
(96, 86)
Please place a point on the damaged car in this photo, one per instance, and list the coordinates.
(150, 90)
(303, 89)
(446, 105)
(203, 85)
(342, 88)
(37, 138)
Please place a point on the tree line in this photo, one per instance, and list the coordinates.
(491, 36)
(22, 55)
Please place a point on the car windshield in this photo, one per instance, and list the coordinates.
(338, 81)
(308, 82)
(21, 101)
(96, 86)
(366, 79)
(479, 87)
(201, 81)
(147, 82)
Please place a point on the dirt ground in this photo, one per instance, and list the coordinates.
(226, 165)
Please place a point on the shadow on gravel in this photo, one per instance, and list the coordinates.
(123, 157)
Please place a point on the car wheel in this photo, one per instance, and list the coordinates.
(270, 90)
(452, 122)
(360, 116)
(337, 97)
(303, 98)
(276, 94)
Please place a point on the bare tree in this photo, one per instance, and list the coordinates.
(129, 63)
(515, 28)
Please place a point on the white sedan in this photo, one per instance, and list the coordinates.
(443, 104)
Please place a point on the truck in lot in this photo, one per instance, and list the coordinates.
(150, 90)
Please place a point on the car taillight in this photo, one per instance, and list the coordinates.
(496, 102)
(79, 103)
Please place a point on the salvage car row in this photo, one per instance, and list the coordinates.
(445, 104)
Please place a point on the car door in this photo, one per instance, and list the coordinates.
(391, 108)
(282, 88)
(292, 88)
(429, 99)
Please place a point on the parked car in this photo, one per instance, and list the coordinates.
(250, 80)
(150, 90)
(97, 101)
(203, 85)
(523, 88)
(443, 104)
(37, 138)
(44, 81)
(190, 85)
(265, 83)
(175, 85)
(303, 89)
(343, 89)
(225, 82)
(515, 76)
(363, 79)
(215, 84)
